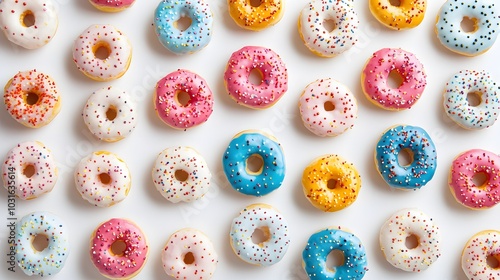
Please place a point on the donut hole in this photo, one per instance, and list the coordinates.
(118, 247)
(28, 18)
(31, 98)
(395, 3)
(479, 179)
(331, 184)
(183, 23)
(405, 157)
(469, 25)
(256, 3)
(181, 175)
(493, 261)
(104, 178)
(188, 258)
(101, 50)
(29, 170)
(474, 98)
(254, 164)
(411, 241)
(111, 113)
(255, 78)
(334, 259)
(329, 106)
(261, 235)
(183, 98)
(395, 79)
(329, 25)
(40, 242)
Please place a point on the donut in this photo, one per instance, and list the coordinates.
(486, 23)
(110, 114)
(41, 261)
(29, 170)
(256, 15)
(265, 62)
(331, 183)
(29, 24)
(404, 224)
(479, 248)
(272, 225)
(118, 249)
(405, 15)
(460, 180)
(173, 36)
(322, 243)
(457, 106)
(181, 174)
(251, 146)
(328, 108)
(102, 178)
(418, 145)
(183, 99)
(189, 254)
(375, 76)
(314, 27)
(32, 98)
(102, 52)
(112, 6)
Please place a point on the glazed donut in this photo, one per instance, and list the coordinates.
(268, 220)
(244, 147)
(418, 144)
(189, 254)
(322, 243)
(102, 178)
(112, 6)
(32, 98)
(402, 225)
(375, 75)
(110, 114)
(181, 174)
(317, 37)
(52, 258)
(408, 14)
(463, 169)
(170, 107)
(328, 108)
(102, 52)
(274, 77)
(29, 24)
(486, 19)
(256, 18)
(457, 107)
(331, 183)
(29, 170)
(482, 245)
(195, 37)
(125, 264)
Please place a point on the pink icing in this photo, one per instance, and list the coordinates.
(376, 73)
(197, 110)
(118, 266)
(463, 169)
(114, 3)
(274, 77)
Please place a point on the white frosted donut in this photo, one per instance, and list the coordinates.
(102, 178)
(320, 40)
(189, 254)
(478, 249)
(110, 114)
(328, 108)
(14, 15)
(99, 40)
(406, 223)
(269, 221)
(181, 174)
(29, 170)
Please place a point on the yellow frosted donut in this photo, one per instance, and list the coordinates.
(399, 14)
(255, 14)
(331, 183)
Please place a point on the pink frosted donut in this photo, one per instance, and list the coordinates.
(270, 66)
(375, 75)
(112, 6)
(118, 249)
(464, 168)
(183, 99)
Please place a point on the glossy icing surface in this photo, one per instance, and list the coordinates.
(482, 245)
(247, 16)
(408, 14)
(112, 5)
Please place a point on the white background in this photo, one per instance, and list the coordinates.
(70, 140)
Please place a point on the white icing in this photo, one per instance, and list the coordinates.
(476, 252)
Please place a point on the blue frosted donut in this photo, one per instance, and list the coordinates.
(245, 145)
(486, 20)
(322, 243)
(195, 37)
(419, 146)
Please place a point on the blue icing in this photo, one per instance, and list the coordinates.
(321, 243)
(423, 166)
(234, 163)
(195, 37)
